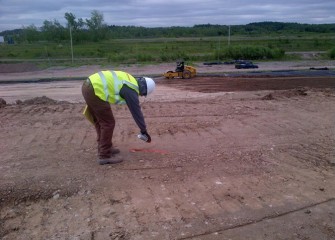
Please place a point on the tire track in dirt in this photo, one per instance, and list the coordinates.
(179, 214)
(220, 233)
(307, 153)
(189, 209)
(187, 127)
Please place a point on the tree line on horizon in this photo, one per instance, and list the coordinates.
(95, 29)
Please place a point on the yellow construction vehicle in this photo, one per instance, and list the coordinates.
(181, 71)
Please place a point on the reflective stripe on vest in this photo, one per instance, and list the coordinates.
(116, 81)
(131, 84)
(104, 84)
(107, 85)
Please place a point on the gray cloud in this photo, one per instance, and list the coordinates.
(157, 13)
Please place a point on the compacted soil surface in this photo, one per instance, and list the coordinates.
(230, 158)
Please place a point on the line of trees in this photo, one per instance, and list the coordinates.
(92, 29)
(95, 29)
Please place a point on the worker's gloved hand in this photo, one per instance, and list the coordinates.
(146, 136)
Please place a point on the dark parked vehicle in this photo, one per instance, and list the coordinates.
(236, 61)
(213, 63)
(245, 65)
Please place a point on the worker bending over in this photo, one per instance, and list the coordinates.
(114, 87)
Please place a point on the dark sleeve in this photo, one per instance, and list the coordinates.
(133, 104)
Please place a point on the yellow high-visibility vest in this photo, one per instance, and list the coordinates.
(107, 85)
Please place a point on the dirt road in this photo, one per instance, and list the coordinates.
(231, 158)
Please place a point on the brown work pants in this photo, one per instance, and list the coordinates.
(103, 119)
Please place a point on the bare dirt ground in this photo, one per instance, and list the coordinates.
(231, 158)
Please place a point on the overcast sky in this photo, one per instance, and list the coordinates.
(164, 13)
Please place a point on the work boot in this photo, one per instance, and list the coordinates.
(115, 150)
(111, 160)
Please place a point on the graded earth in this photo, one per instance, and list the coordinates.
(232, 157)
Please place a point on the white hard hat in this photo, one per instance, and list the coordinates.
(150, 85)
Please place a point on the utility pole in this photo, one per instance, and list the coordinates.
(219, 47)
(71, 42)
(229, 36)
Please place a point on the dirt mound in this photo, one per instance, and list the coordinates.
(38, 100)
(268, 97)
(286, 94)
(2, 103)
(18, 67)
